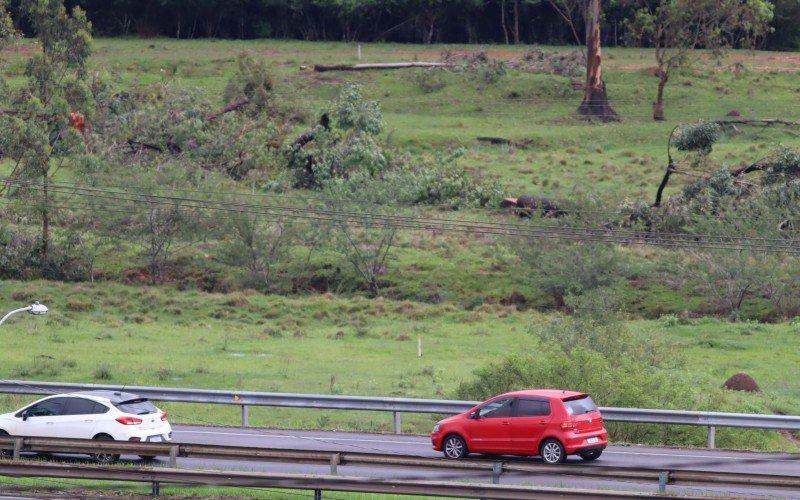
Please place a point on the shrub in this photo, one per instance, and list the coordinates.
(103, 372)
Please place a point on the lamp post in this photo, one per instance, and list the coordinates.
(36, 309)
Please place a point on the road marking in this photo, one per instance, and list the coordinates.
(290, 436)
(675, 455)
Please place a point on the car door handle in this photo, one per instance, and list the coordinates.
(506, 423)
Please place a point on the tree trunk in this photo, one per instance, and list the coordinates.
(595, 100)
(658, 106)
(45, 225)
(503, 20)
(516, 22)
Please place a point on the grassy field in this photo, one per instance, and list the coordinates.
(136, 335)
(113, 334)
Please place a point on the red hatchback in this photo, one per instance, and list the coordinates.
(549, 423)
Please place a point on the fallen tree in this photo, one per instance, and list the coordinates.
(320, 68)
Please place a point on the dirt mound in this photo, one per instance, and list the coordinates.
(741, 382)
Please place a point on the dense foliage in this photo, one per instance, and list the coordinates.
(426, 21)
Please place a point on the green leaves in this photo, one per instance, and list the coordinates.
(352, 112)
(699, 137)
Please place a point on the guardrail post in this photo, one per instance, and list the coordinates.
(336, 459)
(663, 478)
(712, 431)
(397, 422)
(17, 448)
(173, 456)
(244, 417)
(156, 488)
(497, 469)
(317, 494)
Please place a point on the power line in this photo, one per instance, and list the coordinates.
(339, 217)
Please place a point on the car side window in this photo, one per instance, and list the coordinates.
(498, 408)
(49, 408)
(533, 408)
(82, 406)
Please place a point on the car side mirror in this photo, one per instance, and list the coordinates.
(25, 415)
(475, 415)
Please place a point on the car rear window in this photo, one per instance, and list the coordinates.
(580, 406)
(136, 407)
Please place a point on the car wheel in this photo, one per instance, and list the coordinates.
(5, 453)
(591, 455)
(553, 452)
(105, 458)
(454, 447)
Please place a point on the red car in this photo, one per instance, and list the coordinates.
(549, 423)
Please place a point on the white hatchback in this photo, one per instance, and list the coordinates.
(101, 415)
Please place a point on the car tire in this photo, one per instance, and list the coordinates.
(591, 455)
(454, 447)
(105, 458)
(552, 452)
(5, 453)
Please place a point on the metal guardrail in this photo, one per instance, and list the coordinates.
(335, 459)
(711, 420)
(318, 483)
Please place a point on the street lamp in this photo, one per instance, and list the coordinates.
(36, 309)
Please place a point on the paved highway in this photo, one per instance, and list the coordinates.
(614, 456)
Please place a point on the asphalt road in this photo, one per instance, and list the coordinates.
(614, 456)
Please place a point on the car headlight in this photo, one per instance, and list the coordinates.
(436, 428)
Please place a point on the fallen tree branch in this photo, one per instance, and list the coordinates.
(233, 106)
(503, 140)
(138, 147)
(765, 122)
(320, 68)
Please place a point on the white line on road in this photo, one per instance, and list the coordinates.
(676, 455)
(290, 436)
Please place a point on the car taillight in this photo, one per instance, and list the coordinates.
(163, 416)
(569, 425)
(129, 420)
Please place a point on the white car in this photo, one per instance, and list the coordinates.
(101, 415)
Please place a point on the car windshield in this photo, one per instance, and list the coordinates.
(580, 406)
(136, 407)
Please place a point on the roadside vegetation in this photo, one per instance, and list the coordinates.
(230, 218)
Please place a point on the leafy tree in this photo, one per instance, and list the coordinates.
(678, 27)
(7, 31)
(579, 268)
(36, 134)
(343, 144)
